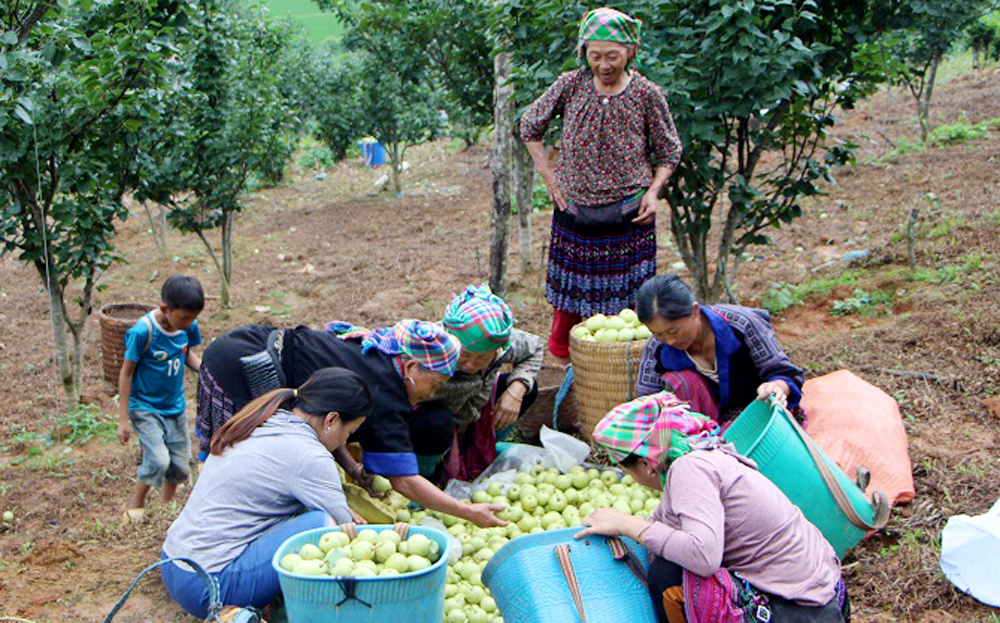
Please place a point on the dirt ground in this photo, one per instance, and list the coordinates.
(314, 250)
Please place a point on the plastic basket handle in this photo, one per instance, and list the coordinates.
(214, 599)
(567, 384)
(622, 553)
(402, 529)
(562, 555)
(880, 502)
(350, 529)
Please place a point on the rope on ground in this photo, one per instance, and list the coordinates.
(14, 620)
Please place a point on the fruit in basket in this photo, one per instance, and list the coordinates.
(608, 335)
(310, 567)
(642, 332)
(311, 552)
(344, 566)
(629, 317)
(333, 539)
(626, 335)
(288, 561)
(595, 322)
(614, 322)
(418, 545)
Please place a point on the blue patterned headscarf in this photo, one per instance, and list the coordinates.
(427, 343)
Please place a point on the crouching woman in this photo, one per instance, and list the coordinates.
(725, 543)
(271, 475)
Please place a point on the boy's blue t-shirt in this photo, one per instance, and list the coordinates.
(158, 384)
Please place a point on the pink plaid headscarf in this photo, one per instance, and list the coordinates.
(657, 427)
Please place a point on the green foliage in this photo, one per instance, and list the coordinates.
(926, 31)
(316, 158)
(86, 422)
(321, 28)
(905, 146)
(960, 132)
(81, 85)
(984, 35)
(863, 303)
(781, 295)
(539, 199)
(396, 97)
(232, 121)
(742, 77)
(443, 44)
(334, 87)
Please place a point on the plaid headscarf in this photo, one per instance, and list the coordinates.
(659, 427)
(606, 24)
(479, 319)
(427, 343)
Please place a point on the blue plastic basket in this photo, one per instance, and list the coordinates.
(414, 597)
(529, 586)
(373, 153)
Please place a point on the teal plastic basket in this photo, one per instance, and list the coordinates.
(414, 597)
(764, 433)
(529, 586)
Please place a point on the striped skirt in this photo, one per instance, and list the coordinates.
(599, 268)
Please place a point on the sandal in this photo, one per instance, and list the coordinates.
(133, 515)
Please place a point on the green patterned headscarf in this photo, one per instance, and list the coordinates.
(659, 427)
(606, 24)
(479, 319)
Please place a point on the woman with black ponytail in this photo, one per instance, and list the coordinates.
(270, 475)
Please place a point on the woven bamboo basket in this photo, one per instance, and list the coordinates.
(604, 375)
(116, 319)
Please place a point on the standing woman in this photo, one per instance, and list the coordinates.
(617, 150)
(725, 543)
(271, 475)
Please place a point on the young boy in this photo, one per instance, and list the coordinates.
(151, 390)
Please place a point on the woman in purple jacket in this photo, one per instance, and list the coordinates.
(718, 358)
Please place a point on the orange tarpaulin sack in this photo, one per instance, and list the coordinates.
(858, 425)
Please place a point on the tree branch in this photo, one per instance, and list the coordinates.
(36, 14)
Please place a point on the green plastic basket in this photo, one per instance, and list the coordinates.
(768, 435)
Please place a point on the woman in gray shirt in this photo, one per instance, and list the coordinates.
(271, 475)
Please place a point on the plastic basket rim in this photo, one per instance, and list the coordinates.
(278, 555)
(548, 537)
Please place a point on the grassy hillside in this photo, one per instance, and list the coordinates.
(320, 26)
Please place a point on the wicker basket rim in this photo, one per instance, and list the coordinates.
(593, 345)
(105, 314)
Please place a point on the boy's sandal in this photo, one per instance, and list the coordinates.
(133, 515)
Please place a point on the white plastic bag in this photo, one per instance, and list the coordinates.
(970, 554)
(456, 546)
(566, 451)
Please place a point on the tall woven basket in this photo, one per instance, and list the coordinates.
(116, 319)
(604, 375)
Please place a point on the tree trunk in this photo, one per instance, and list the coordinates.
(500, 163)
(63, 361)
(227, 257)
(162, 211)
(524, 186)
(924, 108)
(394, 164)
